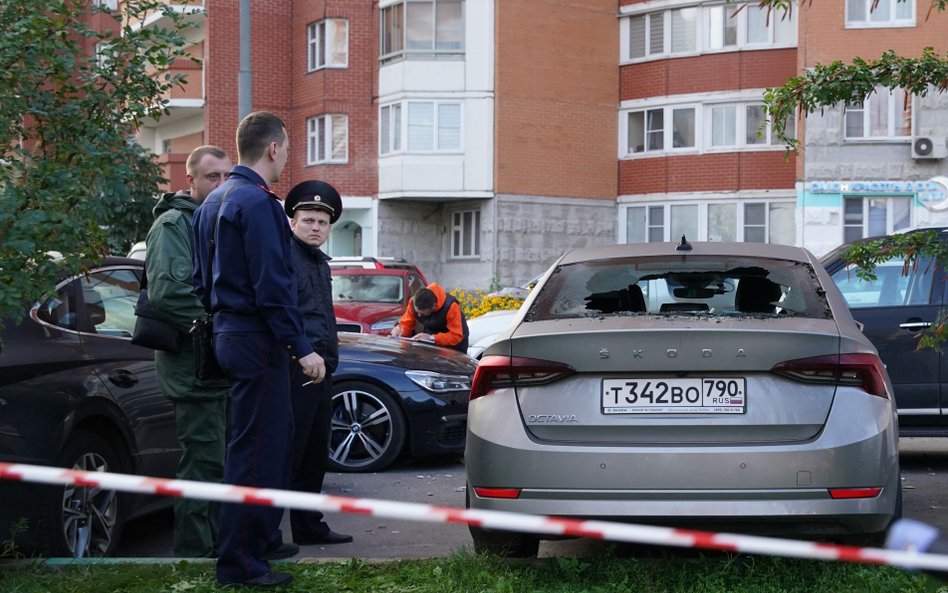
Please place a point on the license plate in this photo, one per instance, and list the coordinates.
(718, 395)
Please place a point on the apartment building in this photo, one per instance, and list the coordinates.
(481, 139)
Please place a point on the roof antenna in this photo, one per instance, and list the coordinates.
(684, 245)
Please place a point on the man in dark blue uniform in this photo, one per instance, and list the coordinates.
(313, 207)
(242, 263)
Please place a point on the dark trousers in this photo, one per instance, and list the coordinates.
(202, 428)
(312, 414)
(258, 451)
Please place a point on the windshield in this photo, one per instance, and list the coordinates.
(672, 285)
(367, 288)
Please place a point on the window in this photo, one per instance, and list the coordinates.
(894, 284)
(647, 35)
(722, 25)
(752, 221)
(647, 130)
(430, 126)
(110, 4)
(870, 217)
(741, 125)
(327, 139)
(103, 54)
(328, 44)
(732, 126)
(668, 284)
(466, 233)
(884, 114)
(880, 13)
(430, 28)
(684, 30)
(735, 26)
(390, 133)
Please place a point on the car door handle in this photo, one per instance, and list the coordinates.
(915, 325)
(123, 378)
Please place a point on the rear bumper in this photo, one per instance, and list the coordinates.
(772, 488)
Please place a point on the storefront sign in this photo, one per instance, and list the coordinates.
(933, 194)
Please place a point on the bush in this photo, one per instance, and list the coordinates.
(476, 302)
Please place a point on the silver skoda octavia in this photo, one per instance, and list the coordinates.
(720, 386)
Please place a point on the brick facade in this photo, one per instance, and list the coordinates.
(556, 89)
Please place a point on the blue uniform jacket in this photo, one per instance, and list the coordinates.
(254, 286)
(314, 295)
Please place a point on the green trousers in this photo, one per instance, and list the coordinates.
(202, 432)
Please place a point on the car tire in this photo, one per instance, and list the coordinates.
(84, 522)
(368, 430)
(507, 544)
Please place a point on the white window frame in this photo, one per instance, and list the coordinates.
(110, 4)
(667, 129)
(390, 128)
(893, 102)
(863, 223)
(703, 127)
(399, 40)
(319, 44)
(663, 210)
(870, 17)
(315, 144)
(661, 20)
(395, 126)
(655, 21)
(465, 224)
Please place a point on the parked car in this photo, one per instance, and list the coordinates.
(374, 298)
(137, 251)
(484, 329)
(748, 402)
(894, 310)
(375, 263)
(74, 392)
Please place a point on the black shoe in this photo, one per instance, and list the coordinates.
(331, 537)
(270, 579)
(285, 550)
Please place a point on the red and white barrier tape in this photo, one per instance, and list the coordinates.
(500, 520)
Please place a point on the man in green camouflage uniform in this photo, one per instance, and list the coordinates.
(201, 407)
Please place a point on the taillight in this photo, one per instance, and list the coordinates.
(857, 369)
(497, 492)
(838, 493)
(495, 372)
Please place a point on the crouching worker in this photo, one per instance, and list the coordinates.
(434, 316)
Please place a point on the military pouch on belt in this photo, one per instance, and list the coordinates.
(206, 366)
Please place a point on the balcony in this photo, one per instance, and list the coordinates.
(194, 15)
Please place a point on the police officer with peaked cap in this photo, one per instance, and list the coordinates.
(313, 207)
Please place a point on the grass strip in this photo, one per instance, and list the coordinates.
(465, 572)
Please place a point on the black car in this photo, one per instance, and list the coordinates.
(74, 392)
(894, 309)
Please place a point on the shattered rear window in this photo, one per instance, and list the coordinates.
(674, 286)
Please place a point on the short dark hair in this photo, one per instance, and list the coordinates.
(200, 152)
(424, 299)
(256, 132)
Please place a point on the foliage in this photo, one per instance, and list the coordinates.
(828, 85)
(8, 547)
(914, 248)
(477, 302)
(466, 572)
(72, 179)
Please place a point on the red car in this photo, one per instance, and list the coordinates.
(373, 298)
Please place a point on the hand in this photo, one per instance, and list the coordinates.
(314, 367)
(397, 331)
(423, 337)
